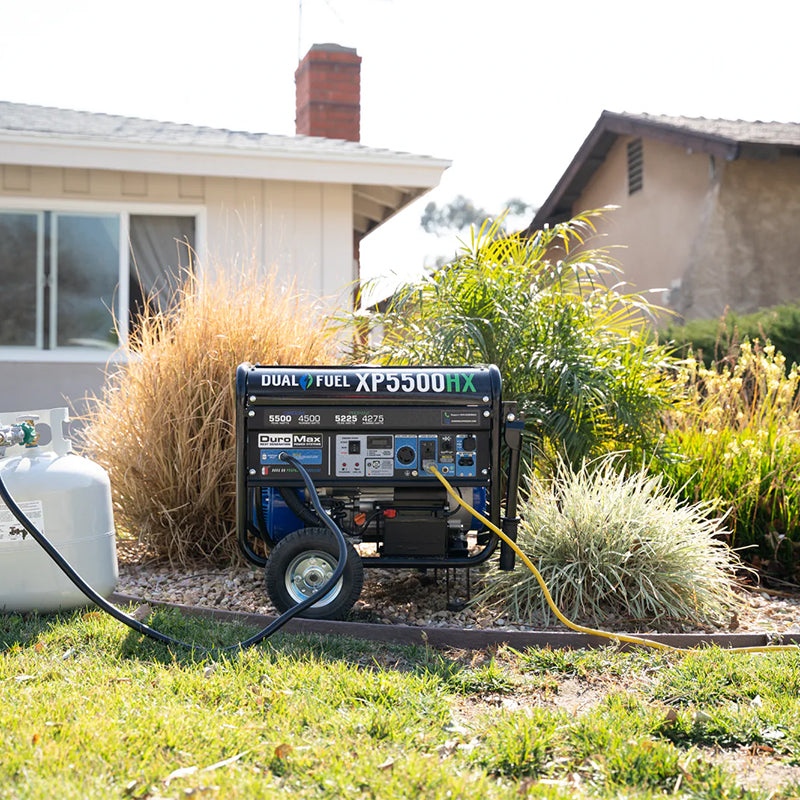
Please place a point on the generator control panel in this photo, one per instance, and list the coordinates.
(332, 451)
(369, 424)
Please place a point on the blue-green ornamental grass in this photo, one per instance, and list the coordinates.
(616, 548)
(90, 710)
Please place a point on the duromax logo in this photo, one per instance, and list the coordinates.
(306, 381)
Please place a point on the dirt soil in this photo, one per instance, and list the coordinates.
(410, 597)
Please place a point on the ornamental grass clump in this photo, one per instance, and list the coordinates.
(163, 426)
(615, 549)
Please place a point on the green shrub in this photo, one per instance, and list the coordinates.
(571, 349)
(737, 441)
(616, 549)
(718, 340)
(163, 426)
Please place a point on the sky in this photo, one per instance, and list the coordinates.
(506, 89)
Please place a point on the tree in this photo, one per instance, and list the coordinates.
(461, 213)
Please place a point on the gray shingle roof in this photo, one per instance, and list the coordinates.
(20, 118)
(735, 130)
(723, 138)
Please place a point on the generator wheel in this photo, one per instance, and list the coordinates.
(301, 563)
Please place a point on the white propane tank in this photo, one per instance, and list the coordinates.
(68, 498)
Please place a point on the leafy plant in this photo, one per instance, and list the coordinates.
(571, 347)
(616, 548)
(717, 340)
(163, 426)
(738, 434)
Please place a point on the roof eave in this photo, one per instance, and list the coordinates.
(591, 154)
(374, 205)
(314, 163)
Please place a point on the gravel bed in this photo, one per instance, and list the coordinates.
(405, 597)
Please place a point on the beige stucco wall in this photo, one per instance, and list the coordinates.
(657, 225)
(302, 229)
(749, 254)
(716, 234)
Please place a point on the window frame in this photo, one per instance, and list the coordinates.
(124, 210)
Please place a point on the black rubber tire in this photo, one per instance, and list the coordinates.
(312, 552)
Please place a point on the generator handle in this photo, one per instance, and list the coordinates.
(514, 426)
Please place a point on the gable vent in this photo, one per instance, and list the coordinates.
(635, 166)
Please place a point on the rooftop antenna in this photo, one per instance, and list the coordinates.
(299, 29)
(300, 24)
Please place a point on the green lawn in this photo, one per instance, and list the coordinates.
(91, 710)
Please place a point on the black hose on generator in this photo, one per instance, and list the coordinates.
(299, 508)
(146, 630)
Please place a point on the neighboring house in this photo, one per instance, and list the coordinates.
(708, 208)
(96, 211)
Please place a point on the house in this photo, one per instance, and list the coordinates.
(708, 208)
(96, 211)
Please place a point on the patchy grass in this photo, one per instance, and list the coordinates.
(91, 710)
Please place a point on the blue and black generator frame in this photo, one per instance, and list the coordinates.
(367, 437)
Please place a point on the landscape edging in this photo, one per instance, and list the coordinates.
(466, 638)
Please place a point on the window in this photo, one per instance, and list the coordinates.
(161, 252)
(61, 274)
(83, 274)
(635, 166)
(20, 287)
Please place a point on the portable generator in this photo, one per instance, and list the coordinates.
(368, 437)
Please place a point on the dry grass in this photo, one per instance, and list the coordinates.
(163, 426)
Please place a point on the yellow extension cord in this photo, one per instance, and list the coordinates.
(619, 637)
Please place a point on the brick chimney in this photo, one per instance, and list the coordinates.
(328, 83)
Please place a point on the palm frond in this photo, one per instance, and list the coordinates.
(552, 312)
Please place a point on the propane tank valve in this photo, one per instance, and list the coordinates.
(11, 435)
(23, 433)
(30, 436)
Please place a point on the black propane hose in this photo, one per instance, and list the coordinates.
(329, 584)
(146, 630)
(298, 507)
